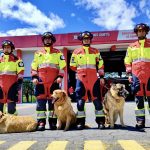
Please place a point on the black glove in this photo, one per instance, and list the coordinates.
(20, 81)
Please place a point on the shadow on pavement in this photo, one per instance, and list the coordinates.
(129, 128)
(117, 127)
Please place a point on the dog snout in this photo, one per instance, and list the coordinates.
(54, 99)
(51, 97)
(125, 93)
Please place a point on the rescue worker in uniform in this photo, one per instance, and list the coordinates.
(88, 65)
(47, 71)
(137, 62)
(11, 77)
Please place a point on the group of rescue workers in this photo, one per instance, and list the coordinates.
(47, 70)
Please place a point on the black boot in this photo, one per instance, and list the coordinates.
(52, 123)
(80, 123)
(101, 122)
(41, 125)
(140, 124)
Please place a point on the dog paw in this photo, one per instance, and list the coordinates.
(107, 126)
(59, 128)
(66, 129)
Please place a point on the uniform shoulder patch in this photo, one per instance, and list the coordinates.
(73, 60)
(62, 57)
(21, 64)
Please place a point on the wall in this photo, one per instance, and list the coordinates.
(27, 57)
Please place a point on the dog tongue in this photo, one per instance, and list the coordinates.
(54, 100)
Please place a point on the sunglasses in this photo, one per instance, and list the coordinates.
(6, 43)
(47, 34)
(141, 26)
(85, 34)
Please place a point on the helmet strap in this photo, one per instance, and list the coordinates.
(86, 45)
(6, 53)
(142, 37)
(48, 44)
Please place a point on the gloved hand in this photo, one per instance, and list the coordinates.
(59, 80)
(20, 81)
(19, 86)
(35, 81)
(130, 79)
(102, 81)
(71, 90)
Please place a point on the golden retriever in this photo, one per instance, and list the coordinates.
(63, 110)
(14, 124)
(114, 101)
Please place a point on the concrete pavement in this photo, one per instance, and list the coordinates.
(108, 139)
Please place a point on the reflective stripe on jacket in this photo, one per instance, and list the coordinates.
(83, 59)
(137, 59)
(48, 58)
(11, 65)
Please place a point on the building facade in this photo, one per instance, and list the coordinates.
(112, 45)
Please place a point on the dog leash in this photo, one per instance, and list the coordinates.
(102, 87)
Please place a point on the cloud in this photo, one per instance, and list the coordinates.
(144, 6)
(30, 15)
(110, 15)
(73, 15)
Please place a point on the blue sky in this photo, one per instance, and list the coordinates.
(29, 17)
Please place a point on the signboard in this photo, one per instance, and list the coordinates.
(98, 37)
(128, 35)
(71, 39)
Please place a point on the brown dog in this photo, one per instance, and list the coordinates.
(63, 110)
(114, 104)
(14, 124)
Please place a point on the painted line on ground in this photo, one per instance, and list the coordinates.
(57, 145)
(23, 145)
(94, 145)
(130, 145)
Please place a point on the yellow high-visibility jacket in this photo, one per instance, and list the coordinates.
(11, 65)
(87, 58)
(137, 59)
(48, 61)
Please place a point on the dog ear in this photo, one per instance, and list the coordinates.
(113, 85)
(2, 118)
(122, 86)
(64, 93)
(1, 114)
